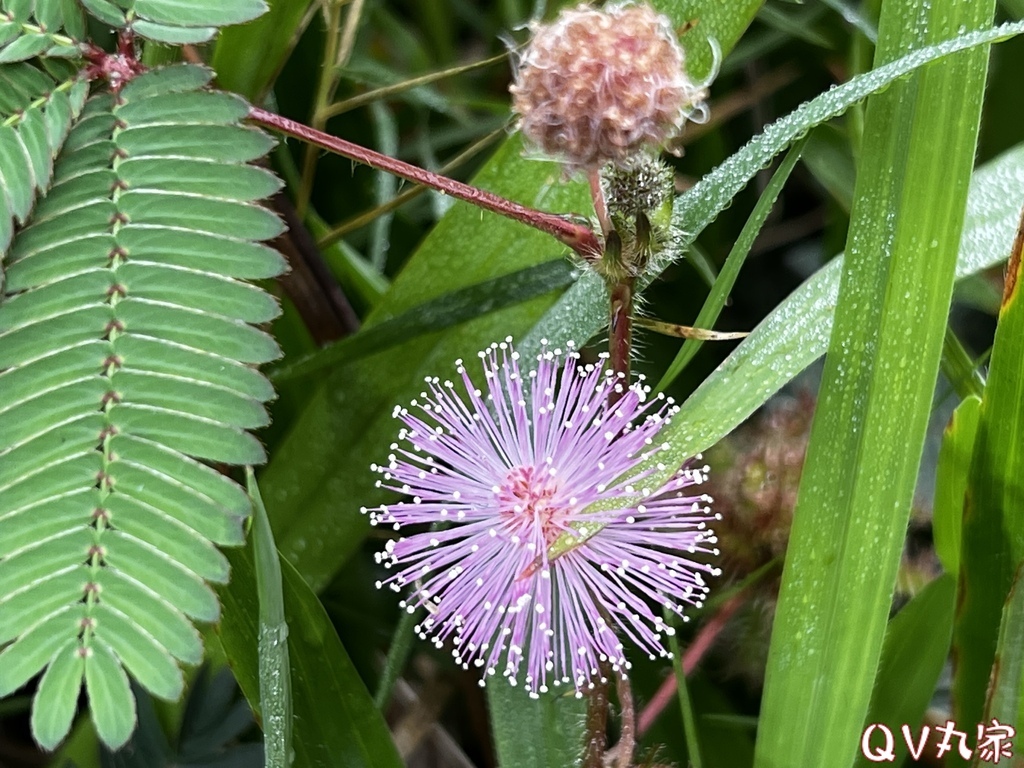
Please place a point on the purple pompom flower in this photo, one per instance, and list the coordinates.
(536, 458)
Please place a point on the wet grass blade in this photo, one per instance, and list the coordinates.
(993, 527)
(876, 394)
(335, 722)
(1005, 702)
(275, 674)
(914, 651)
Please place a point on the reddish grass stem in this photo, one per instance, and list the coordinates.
(698, 648)
(579, 237)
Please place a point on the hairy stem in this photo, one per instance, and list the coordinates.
(597, 724)
(627, 736)
(579, 237)
(620, 334)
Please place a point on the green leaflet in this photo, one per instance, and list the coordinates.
(199, 13)
(172, 21)
(57, 696)
(29, 29)
(105, 11)
(126, 359)
(35, 117)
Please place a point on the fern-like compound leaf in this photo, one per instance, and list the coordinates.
(30, 28)
(128, 354)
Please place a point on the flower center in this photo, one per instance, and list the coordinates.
(528, 497)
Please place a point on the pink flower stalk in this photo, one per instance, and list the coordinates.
(536, 458)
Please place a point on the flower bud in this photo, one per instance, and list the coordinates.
(602, 86)
(640, 187)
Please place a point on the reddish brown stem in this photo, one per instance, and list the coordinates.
(117, 69)
(597, 724)
(620, 334)
(627, 735)
(577, 236)
(700, 646)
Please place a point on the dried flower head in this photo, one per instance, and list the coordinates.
(517, 468)
(600, 86)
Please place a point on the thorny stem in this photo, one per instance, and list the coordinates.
(620, 282)
(620, 342)
(620, 339)
(579, 237)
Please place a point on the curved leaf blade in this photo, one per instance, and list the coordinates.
(993, 533)
(335, 721)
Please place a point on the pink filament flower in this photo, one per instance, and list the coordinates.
(555, 542)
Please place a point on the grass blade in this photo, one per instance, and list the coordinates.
(335, 722)
(723, 286)
(914, 651)
(868, 432)
(951, 482)
(275, 672)
(1005, 702)
(993, 527)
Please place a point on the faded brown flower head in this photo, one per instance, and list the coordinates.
(601, 86)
